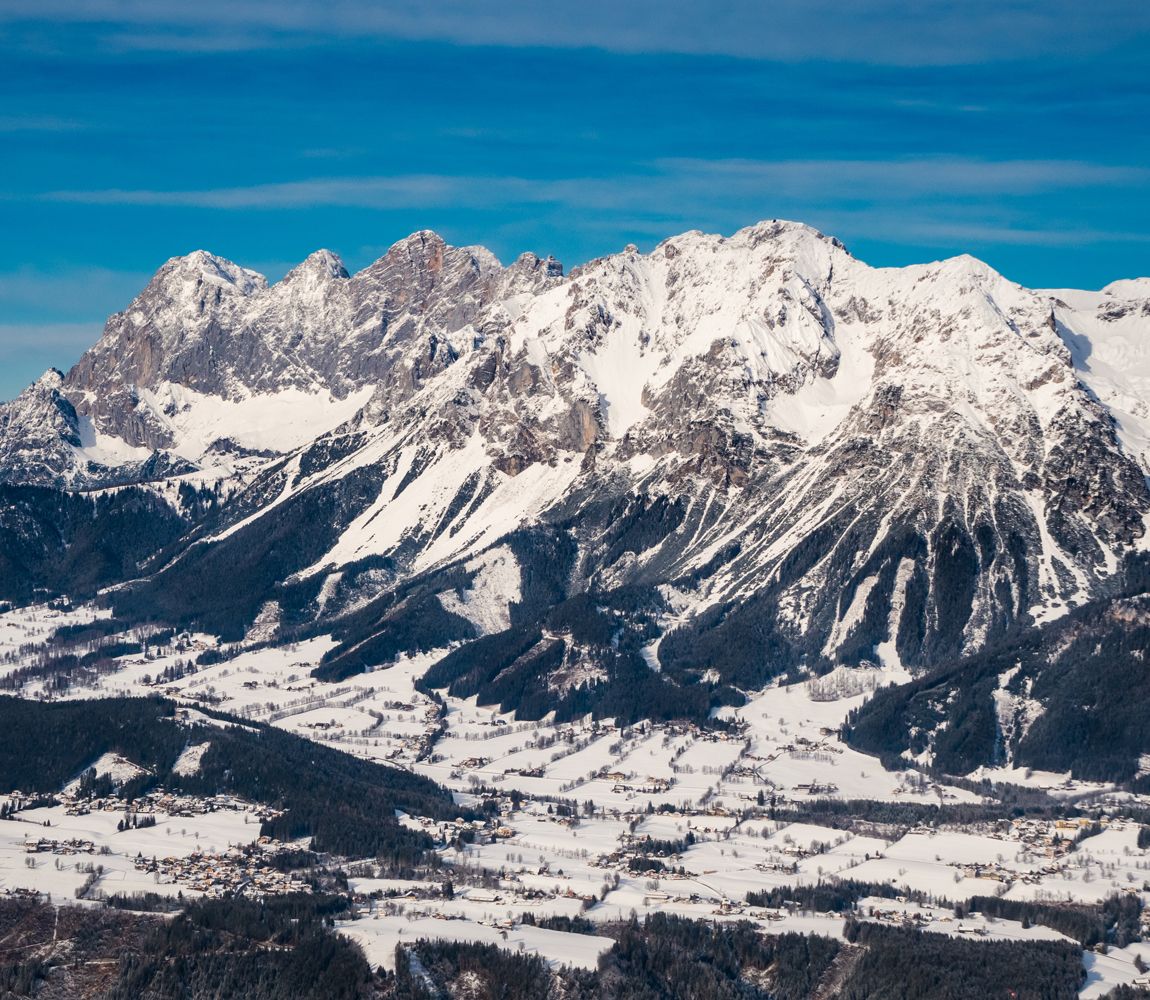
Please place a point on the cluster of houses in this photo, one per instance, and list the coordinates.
(817, 788)
(1040, 837)
(800, 748)
(159, 802)
(21, 892)
(45, 846)
(473, 763)
(232, 874)
(788, 867)
(448, 831)
(525, 772)
(621, 783)
(991, 872)
(1051, 841)
(431, 902)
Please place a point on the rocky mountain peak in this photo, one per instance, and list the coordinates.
(802, 247)
(200, 268)
(421, 251)
(531, 263)
(318, 266)
(52, 379)
(784, 231)
(38, 431)
(422, 271)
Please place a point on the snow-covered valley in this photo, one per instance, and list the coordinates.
(600, 821)
(714, 582)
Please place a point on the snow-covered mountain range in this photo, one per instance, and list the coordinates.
(753, 452)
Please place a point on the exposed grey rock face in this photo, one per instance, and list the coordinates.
(38, 430)
(893, 464)
(206, 325)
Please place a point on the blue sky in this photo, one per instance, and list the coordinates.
(134, 130)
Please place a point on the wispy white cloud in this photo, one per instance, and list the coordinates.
(911, 176)
(38, 123)
(900, 178)
(941, 227)
(932, 198)
(902, 32)
(359, 192)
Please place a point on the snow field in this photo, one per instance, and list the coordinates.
(379, 935)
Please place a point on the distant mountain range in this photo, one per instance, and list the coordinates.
(640, 488)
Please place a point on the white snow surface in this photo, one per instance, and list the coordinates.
(495, 587)
(188, 763)
(1108, 333)
(113, 765)
(274, 422)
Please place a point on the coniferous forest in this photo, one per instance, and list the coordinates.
(287, 947)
